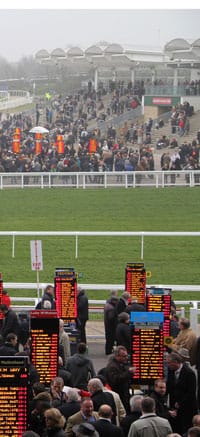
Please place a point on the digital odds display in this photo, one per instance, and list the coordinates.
(14, 378)
(159, 299)
(65, 286)
(45, 343)
(147, 346)
(135, 281)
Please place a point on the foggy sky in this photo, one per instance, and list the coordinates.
(25, 31)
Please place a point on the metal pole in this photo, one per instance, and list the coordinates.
(142, 247)
(76, 254)
(13, 246)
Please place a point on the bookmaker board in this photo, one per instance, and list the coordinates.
(65, 286)
(147, 346)
(135, 281)
(45, 343)
(14, 383)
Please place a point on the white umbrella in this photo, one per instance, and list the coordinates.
(39, 130)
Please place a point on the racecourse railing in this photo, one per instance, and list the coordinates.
(104, 234)
(107, 179)
(28, 303)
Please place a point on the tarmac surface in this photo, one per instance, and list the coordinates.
(96, 343)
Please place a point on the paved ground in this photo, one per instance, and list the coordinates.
(96, 345)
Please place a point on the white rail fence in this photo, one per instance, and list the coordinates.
(107, 179)
(13, 99)
(78, 234)
(96, 305)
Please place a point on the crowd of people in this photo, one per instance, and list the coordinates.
(82, 401)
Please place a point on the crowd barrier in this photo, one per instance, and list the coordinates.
(107, 179)
(96, 305)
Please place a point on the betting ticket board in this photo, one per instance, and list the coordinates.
(45, 343)
(14, 381)
(65, 286)
(159, 299)
(147, 346)
(135, 280)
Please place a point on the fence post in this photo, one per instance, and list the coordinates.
(76, 251)
(194, 319)
(142, 246)
(13, 246)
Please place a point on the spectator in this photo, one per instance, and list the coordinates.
(86, 414)
(119, 373)
(123, 302)
(110, 323)
(135, 413)
(149, 424)
(186, 338)
(80, 367)
(72, 404)
(82, 306)
(104, 424)
(55, 423)
(181, 388)
(10, 321)
(123, 331)
(64, 341)
(99, 396)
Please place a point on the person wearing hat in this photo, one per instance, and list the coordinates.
(85, 429)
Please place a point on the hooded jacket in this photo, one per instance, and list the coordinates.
(81, 369)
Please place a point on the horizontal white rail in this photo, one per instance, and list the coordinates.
(77, 234)
(107, 179)
(42, 285)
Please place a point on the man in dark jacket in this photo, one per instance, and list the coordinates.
(82, 307)
(104, 426)
(181, 387)
(10, 322)
(80, 367)
(99, 396)
(110, 323)
(119, 373)
(9, 348)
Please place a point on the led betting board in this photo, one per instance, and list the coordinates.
(45, 343)
(160, 301)
(65, 286)
(135, 280)
(147, 347)
(14, 380)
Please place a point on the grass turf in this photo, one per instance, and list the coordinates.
(171, 260)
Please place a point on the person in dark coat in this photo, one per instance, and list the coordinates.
(160, 398)
(181, 387)
(72, 404)
(119, 373)
(48, 301)
(136, 412)
(123, 302)
(82, 307)
(10, 322)
(104, 425)
(99, 396)
(123, 331)
(81, 368)
(110, 323)
(9, 348)
(135, 306)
